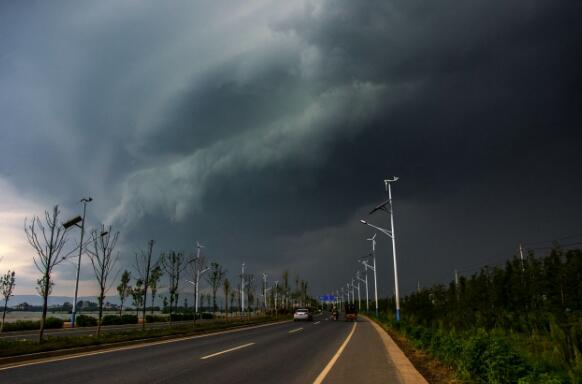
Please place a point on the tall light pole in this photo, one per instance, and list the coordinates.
(200, 270)
(359, 279)
(276, 296)
(373, 268)
(242, 288)
(365, 281)
(265, 291)
(389, 233)
(68, 224)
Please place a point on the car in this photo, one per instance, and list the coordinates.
(302, 314)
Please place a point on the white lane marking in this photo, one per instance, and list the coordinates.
(142, 345)
(296, 330)
(317, 322)
(226, 351)
(331, 363)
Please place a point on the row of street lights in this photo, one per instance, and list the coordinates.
(387, 207)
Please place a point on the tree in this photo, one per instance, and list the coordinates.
(155, 277)
(137, 295)
(143, 266)
(285, 289)
(232, 299)
(48, 253)
(7, 283)
(214, 278)
(103, 261)
(226, 288)
(123, 289)
(173, 263)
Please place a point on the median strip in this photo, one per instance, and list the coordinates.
(226, 351)
(295, 330)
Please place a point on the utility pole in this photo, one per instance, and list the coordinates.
(388, 188)
(74, 312)
(457, 284)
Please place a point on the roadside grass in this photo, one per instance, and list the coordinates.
(22, 347)
(485, 356)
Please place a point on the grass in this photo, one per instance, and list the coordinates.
(16, 348)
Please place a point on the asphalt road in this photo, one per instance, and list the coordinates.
(291, 352)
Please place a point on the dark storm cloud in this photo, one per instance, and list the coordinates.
(268, 137)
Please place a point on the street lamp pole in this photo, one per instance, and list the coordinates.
(242, 289)
(74, 313)
(387, 184)
(363, 281)
(373, 240)
(276, 296)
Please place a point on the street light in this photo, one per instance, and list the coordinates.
(198, 273)
(359, 279)
(75, 222)
(390, 233)
(373, 268)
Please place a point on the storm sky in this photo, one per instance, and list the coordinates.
(265, 129)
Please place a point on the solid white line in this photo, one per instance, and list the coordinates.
(295, 330)
(331, 363)
(226, 351)
(317, 322)
(135, 346)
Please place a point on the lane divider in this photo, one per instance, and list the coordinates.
(295, 330)
(226, 351)
(331, 363)
(317, 322)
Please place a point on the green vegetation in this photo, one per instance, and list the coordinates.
(518, 323)
(30, 325)
(14, 348)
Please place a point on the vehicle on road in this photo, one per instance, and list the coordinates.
(351, 313)
(302, 314)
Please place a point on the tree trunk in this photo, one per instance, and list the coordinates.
(101, 299)
(44, 306)
(4, 314)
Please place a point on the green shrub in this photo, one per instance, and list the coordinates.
(53, 322)
(156, 319)
(85, 321)
(182, 316)
(207, 316)
(22, 325)
(111, 320)
(129, 319)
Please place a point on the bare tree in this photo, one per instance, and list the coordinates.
(226, 288)
(123, 289)
(155, 277)
(7, 283)
(103, 261)
(173, 263)
(250, 290)
(232, 299)
(214, 278)
(143, 267)
(137, 296)
(48, 252)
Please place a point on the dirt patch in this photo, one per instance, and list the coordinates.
(434, 371)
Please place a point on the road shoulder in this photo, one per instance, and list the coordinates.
(402, 369)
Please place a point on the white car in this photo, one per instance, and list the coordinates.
(302, 314)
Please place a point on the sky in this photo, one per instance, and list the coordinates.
(265, 130)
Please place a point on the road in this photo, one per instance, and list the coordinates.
(321, 350)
